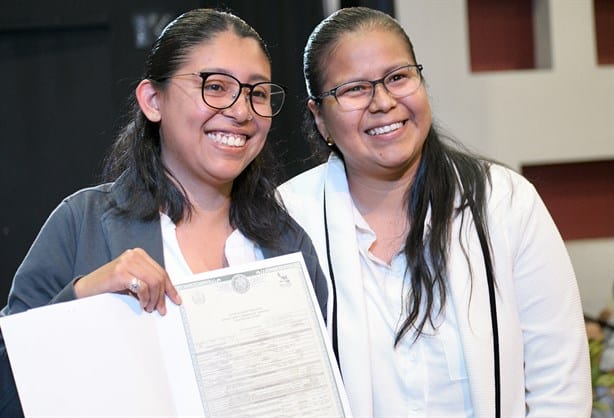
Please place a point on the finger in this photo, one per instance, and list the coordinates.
(151, 300)
(139, 289)
(161, 301)
(153, 264)
(156, 293)
(134, 285)
(153, 276)
(163, 285)
(172, 293)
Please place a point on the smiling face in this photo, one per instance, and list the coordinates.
(201, 145)
(385, 139)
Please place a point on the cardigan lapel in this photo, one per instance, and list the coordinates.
(123, 232)
(352, 331)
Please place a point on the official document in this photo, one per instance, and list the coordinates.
(247, 341)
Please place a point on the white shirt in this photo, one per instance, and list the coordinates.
(427, 377)
(238, 250)
(544, 361)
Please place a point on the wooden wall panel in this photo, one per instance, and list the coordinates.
(501, 34)
(579, 195)
(604, 31)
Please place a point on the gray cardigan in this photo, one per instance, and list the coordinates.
(87, 230)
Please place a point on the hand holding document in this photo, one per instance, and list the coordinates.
(246, 341)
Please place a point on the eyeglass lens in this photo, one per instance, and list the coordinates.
(222, 91)
(399, 83)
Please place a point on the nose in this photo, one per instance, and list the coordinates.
(241, 108)
(382, 100)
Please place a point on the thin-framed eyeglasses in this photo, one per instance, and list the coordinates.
(221, 91)
(354, 95)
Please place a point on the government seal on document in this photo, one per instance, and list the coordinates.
(240, 283)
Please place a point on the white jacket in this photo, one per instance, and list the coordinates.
(544, 357)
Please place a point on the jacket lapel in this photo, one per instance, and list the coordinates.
(353, 340)
(469, 298)
(123, 231)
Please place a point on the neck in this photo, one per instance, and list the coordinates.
(383, 205)
(383, 195)
(202, 236)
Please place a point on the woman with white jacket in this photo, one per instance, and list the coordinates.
(451, 293)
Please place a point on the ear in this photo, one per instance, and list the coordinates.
(317, 115)
(147, 97)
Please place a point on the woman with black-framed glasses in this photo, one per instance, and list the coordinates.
(190, 186)
(452, 294)
(221, 91)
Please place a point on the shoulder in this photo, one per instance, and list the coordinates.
(513, 202)
(305, 182)
(98, 199)
(103, 197)
(94, 203)
(302, 193)
(506, 177)
(294, 236)
(97, 193)
(509, 187)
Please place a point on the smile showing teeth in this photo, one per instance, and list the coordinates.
(227, 139)
(384, 129)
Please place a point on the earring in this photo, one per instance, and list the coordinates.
(330, 141)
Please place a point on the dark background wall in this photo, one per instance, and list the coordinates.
(66, 71)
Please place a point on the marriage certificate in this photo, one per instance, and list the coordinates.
(246, 341)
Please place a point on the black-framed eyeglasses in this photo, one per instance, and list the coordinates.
(354, 95)
(221, 91)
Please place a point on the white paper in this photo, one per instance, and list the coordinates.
(262, 353)
(94, 356)
(247, 340)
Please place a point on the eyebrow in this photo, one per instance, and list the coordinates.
(253, 78)
(386, 71)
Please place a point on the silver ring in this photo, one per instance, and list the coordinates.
(135, 285)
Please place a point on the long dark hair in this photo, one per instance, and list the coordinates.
(446, 170)
(136, 157)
